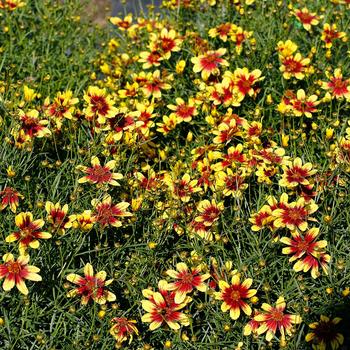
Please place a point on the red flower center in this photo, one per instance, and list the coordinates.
(13, 267)
(277, 315)
(235, 295)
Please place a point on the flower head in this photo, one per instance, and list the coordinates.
(122, 329)
(234, 296)
(161, 308)
(9, 197)
(100, 174)
(274, 319)
(29, 232)
(16, 271)
(106, 213)
(209, 63)
(307, 251)
(91, 286)
(186, 280)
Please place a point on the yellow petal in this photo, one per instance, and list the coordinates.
(21, 286)
(8, 284)
(88, 270)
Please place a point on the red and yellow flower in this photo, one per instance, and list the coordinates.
(306, 17)
(303, 105)
(307, 251)
(91, 286)
(166, 42)
(209, 211)
(295, 173)
(100, 174)
(209, 63)
(294, 66)
(58, 218)
(161, 308)
(234, 296)
(122, 23)
(122, 329)
(9, 197)
(186, 280)
(182, 110)
(337, 86)
(16, 271)
(331, 33)
(100, 105)
(29, 232)
(31, 126)
(108, 214)
(182, 188)
(295, 214)
(274, 319)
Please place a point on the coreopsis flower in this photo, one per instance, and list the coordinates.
(239, 36)
(222, 31)
(100, 105)
(286, 48)
(182, 188)
(63, 106)
(231, 183)
(307, 251)
(166, 42)
(274, 319)
(330, 33)
(182, 110)
(150, 59)
(261, 219)
(91, 286)
(9, 197)
(186, 280)
(324, 334)
(100, 174)
(294, 66)
(227, 95)
(31, 126)
(295, 214)
(201, 230)
(265, 173)
(168, 123)
(58, 218)
(161, 308)
(122, 329)
(84, 221)
(226, 131)
(210, 211)
(242, 80)
(108, 214)
(122, 23)
(303, 105)
(29, 232)
(295, 173)
(129, 91)
(209, 63)
(306, 18)
(234, 296)
(144, 114)
(234, 157)
(154, 85)
(337, 86)
(16, 271)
